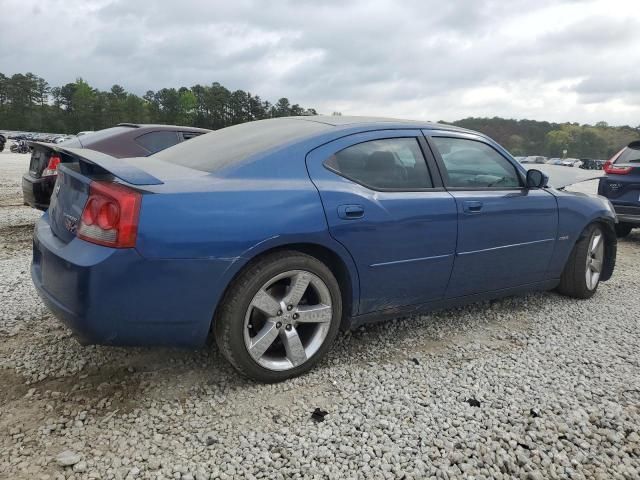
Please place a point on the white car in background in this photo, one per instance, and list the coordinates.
(539, 159)
(571, 162)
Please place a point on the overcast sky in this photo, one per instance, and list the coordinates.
(438, 60)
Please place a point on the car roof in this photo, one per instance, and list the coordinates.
(348, 121)
(163, 127)
(253, 140)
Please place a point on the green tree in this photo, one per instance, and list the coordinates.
(557, 141)
(282, 108)
(27, 102)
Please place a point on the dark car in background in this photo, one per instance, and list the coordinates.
(591, 164)
(621, 185)
(125, 140)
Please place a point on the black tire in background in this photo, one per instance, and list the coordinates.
(623, 229)
(229, 321)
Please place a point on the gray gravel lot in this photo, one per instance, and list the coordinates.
(530, 387)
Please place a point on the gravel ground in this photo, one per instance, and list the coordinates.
(530, 387)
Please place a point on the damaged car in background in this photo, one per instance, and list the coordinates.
(123, 140)
(272, 235)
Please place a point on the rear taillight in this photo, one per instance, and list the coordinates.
(110, 216)
(609, 167)
(52, 166)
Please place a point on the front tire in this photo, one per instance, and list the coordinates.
(279, 317)
(581, 275)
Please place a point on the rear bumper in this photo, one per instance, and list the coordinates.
(117, 297)
(628, 214)
(37, 191)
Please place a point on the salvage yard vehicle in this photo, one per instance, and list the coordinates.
(272, 235)
(621, 185)
(124, 140)
(20, 146)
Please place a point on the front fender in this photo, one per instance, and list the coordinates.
(575, 212)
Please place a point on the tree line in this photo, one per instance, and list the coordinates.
(29, 103)
(530, 137)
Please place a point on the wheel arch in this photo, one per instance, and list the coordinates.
(339, 262)
(607, 225)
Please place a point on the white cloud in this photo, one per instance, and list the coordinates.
(572, 60)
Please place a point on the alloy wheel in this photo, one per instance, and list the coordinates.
(595, 259)
(288, 320)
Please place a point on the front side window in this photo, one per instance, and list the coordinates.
(472, 164)
(392, 163)
(156, 141)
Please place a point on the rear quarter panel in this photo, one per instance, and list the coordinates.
(238, 217)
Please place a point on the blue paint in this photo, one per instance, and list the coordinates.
(403, 251)
(436, 257)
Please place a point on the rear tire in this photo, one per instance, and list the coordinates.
(300, 325)
(581, 275)
(623, 229)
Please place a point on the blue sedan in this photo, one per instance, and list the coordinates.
(273, 235)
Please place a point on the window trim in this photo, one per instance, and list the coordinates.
(442, 169)
(434, 175)
(181, 134)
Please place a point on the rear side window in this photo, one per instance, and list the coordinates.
(392, 163)
(156, 141)
(472, 164)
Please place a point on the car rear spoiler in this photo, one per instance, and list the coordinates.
(92, 161)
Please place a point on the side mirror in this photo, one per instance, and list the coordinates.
(536, 179)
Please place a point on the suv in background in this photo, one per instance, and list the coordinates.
(621, 185)
(122, 141)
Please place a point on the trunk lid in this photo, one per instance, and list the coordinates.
(622, 188)
(73, 185)
(39, 160)
(40, 154)
(67, 201)
(621, 185)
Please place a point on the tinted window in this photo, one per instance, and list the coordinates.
(229, 146)
(93, 137)
(189, 135)
(471, 164)
(630, 154)
(156, 141)
(395, 163)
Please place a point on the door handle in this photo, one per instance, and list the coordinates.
(350, 212)
(472, 206)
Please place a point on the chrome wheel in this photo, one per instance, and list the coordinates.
(288, 320)
(595, 258)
